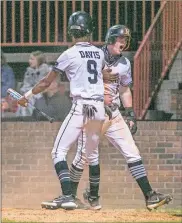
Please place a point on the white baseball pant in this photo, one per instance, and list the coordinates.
(118, 133)
(72, 127)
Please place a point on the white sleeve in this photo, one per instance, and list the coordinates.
(126, 79)
(103, 60)
(62, 63)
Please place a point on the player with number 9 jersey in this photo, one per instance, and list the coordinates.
(83, 64)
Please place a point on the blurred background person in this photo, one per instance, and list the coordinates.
(55, 102)
(7, 81)
(38, 68)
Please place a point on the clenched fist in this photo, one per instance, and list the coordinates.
(23, 101)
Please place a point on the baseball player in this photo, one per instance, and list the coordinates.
(117, 79)
(83, 65)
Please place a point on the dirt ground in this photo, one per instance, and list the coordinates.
(107, 215)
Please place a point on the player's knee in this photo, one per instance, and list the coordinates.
(133, 158)
(79, 160)
(93, 160)
(58, 155)
(132, 154)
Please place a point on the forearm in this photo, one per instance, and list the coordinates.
(126, 97)
(129, 115)
(42, 85)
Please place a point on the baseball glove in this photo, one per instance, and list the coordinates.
(108, 111)
(129, 117)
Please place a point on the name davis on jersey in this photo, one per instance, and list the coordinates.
(90, 54)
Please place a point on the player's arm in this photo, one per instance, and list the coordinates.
(61, 65)
(41, 86)
(129, 115)
(45, 82)
(124, 90)
(126, 96)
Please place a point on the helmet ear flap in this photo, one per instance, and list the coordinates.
(110, 39)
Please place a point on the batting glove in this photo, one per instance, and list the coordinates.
(89, 111)
(130, 119)
(108, 111)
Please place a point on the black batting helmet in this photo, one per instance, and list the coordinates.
(80, 24)
(118, 31)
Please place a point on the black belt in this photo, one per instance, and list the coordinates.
(94, 99)
(89, 99)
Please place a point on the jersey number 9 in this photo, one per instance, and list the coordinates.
(92, 69)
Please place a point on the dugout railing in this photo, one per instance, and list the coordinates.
(44, 23)
(155, 54)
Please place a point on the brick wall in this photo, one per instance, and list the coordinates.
(28, 176)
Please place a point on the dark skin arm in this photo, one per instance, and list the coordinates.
(39, 87)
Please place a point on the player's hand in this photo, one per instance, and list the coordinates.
(23, 101)
(107, 99)
(108, 76)
(132, 125)
(129, 117)
(108, 111)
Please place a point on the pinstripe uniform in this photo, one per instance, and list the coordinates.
(116, 130)
(82, 64)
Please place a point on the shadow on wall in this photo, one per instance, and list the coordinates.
(155, 115)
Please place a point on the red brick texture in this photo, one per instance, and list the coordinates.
(28, 176)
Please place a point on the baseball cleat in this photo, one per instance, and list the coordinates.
(92, 201)
(65, 202)
(80, 204)
(155, 200)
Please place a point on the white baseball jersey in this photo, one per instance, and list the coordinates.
(122, 67)
(83, 64)
(116, 129)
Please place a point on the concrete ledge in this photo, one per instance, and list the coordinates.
(51, 57)
(24, 57)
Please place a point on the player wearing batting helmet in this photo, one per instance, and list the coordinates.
(119, 129)
(83, 64)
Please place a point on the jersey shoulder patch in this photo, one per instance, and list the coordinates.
(123, 60)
